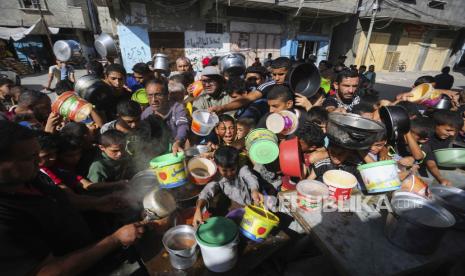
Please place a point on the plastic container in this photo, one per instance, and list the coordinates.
(340, 183)
(284, 122)
(311, 194)
(421, 92)
(197, 88)
(257, 223)
(181, 245)
(203, 122)
(201, 170)
(380, 176)
(70, 106)
(450, 157)
(262, 146)
(140, 96)
(170, 170)
(291, 158)
(218, 238)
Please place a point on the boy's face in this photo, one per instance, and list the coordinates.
(138, 77)
(115, 79)
(444, 132)
(304, 146)
(242, 131)
(338, 155)
(228, 173)
(279, 75)
(47, 158)
(279, 105)
(114, 152)
(254, 78)
(131, 122)
(226, 131)
(5, 90)
(377, 147)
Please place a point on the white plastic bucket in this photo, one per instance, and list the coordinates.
(380, 176)
(219, 258)
(203, 122)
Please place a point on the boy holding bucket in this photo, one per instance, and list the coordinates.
(239, 185)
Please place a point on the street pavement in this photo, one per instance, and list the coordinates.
(389, 84)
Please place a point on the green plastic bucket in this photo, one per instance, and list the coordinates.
(170, 170)
(262, 145)
(380, 176)
(140, 96)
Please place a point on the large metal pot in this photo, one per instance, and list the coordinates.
(105, 46)
(417, 224)
(352, 131)
(159, 203)
(232, 63)
(161, 63)
(66, 50)
(453, 199)
(94, 90)
(396, 120)
(305, 79)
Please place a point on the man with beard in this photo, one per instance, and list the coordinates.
(40, 231)
(346, 97)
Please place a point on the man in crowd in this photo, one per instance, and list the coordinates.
(40, 232)
(214, 94)
(60, 71)
(346, 97)
(444, 80)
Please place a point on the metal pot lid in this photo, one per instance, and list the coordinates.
(422, 211)
(450, 196)
(63, 49)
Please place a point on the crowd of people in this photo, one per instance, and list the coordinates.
(62, 181)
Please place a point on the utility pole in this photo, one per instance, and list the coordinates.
(47, 31)
(374, 11)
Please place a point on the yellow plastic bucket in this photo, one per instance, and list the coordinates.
(170, 170)
(257, 223)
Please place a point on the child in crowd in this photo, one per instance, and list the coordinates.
(226, 130)
(447, 125)
(128, 117)
(238, 184)
(319, 116)
(311, 139)
(378, 151)
(48, 155)
(365, 110)
(111, 165)
(244, 126)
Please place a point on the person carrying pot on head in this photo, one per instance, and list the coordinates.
(60, 71)
(279, 67)
(346, 97)
(214, 94)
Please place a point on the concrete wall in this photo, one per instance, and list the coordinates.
(339, 6)
(418, 11)
(59, 14)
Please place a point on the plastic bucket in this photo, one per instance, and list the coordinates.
(197, 88)
(140, 96)
(257, 223)
(284, 122)
(311, 194)
(70, 106)
(290, 158)
(218, 239)
(421, 92)
(203, 122)
(262, 146)
(340, 183)
(380, 176)
(170, 170)
(201, 170)
(181, 245)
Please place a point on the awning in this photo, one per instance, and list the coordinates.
(18, 33)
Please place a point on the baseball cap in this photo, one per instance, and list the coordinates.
(211, 71)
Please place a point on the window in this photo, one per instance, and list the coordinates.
(33, 4)
(437, 4)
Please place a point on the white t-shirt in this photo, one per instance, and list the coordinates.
(57, 71)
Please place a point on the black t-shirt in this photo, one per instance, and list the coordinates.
(433, 144)
(35, 225)
(335, 102)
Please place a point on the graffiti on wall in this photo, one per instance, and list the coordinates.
(134, 44)
(199, 45)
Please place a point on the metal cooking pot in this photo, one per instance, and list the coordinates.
(444, 103)
(105, 46)
(232, 63)
(416, 220)
(196, 150)
(66, 50)
(159, 203)
(161, 63)
(352, 131)
(305, 79)
(453, 199)
(396, 120)
(85, 82)
(186, 196)
(181, 245)
(93, 90)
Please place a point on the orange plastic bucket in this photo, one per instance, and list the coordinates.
(71, 106)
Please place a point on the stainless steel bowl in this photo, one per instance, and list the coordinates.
(196, 150)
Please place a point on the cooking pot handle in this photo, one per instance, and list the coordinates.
(357, 136)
